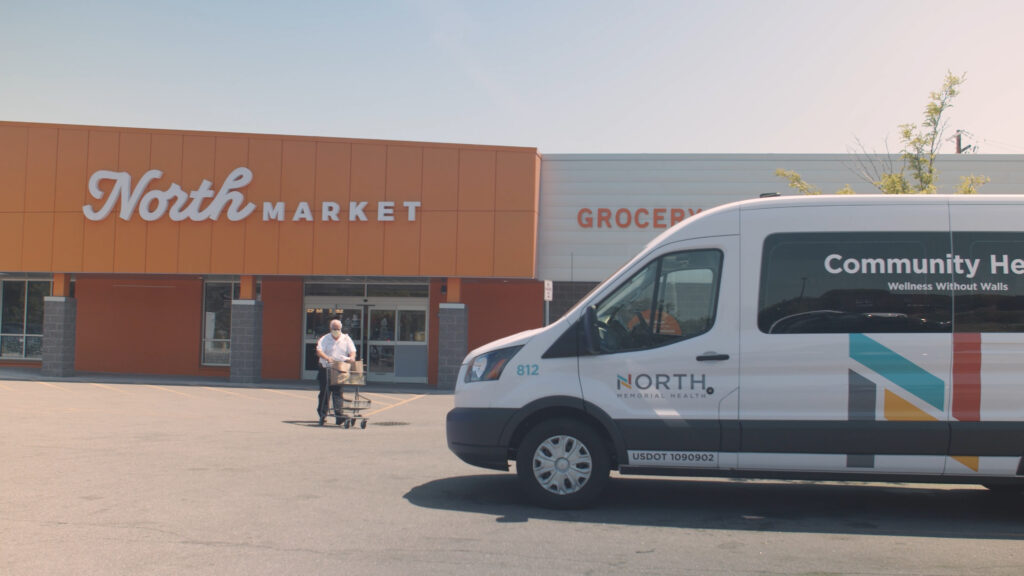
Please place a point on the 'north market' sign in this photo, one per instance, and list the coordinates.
(204, 203)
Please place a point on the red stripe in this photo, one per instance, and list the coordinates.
(967, 377)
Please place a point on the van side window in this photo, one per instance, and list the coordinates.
(671, 299)
(856, 282)
(992, 298)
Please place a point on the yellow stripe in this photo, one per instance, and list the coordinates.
(5, 387)
(288, 394)
(171, 390)
(51, 385)
(379, 397)
(110, 388)
(406, 401)
(232, 392)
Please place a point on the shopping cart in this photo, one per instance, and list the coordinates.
(345, 380)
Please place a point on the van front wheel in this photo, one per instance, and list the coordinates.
(563, 463)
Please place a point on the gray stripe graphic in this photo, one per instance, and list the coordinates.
(861, 407)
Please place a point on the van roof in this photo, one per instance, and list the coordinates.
(719, 214)
(878, 199)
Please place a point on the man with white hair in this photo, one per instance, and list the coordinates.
(333, 347)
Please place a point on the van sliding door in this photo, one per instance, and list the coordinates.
(987, 395)
(846, 359)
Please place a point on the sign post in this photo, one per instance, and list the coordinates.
(549, 295)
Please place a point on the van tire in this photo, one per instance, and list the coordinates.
(563, 463)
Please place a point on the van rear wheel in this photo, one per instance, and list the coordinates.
(563, 463)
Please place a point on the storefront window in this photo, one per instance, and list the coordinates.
(382, 325)
(397, 290)
(318, 321)
(217, 297)
(412, 325)
(21, 321)
(334, 289)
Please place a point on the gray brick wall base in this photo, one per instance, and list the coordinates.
(59, 317)
(453, 342)
(246, 341)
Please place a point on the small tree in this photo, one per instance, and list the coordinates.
(921, 143)
(920, 147)
(970, 184)
(797, 182)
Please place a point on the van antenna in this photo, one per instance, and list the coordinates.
(572, 292)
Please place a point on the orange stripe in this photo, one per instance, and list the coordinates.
(971, 462)
(899, 409)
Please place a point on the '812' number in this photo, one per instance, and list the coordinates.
(527, 369)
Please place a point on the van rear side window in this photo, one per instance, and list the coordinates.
(991, 299)
(856, 282)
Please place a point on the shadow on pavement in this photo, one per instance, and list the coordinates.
(329, 423)
(829, 508)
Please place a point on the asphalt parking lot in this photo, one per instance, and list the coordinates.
(149, 477)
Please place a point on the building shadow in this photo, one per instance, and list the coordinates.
(783, 506)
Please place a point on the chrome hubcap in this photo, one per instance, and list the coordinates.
(562, 465)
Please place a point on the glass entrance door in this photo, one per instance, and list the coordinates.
(320, 310)
(397, 340)
(390, 335)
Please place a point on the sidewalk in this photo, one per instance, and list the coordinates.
(34, 373)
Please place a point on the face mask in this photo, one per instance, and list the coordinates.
(336, 334)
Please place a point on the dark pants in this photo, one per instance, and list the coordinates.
(322, 397)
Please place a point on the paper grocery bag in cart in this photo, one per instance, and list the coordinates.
(356, 376)
(338, 372)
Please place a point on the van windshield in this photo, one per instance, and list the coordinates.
(611, 278)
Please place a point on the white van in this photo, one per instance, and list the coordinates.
(827, 337)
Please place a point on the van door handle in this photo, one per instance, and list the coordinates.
(712, 356)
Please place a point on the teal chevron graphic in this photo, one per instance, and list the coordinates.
(898, 370)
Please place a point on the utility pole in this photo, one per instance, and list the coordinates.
(960, 149)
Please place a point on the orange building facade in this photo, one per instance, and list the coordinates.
(225, 255)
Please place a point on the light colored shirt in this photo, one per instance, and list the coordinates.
(337, 350)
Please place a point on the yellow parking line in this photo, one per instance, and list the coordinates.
(5, 387)
(172, 391)
(379, 396)
(226, 391)
(406, 401)
(52, 385)
(289, 394)
(110, 388)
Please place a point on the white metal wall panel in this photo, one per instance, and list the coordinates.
(570, 183)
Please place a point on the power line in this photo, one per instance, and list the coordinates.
(960, 135)
(1014, 147)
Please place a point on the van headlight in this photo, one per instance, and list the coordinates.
(488, 366)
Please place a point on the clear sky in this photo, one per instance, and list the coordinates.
(593, 76)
